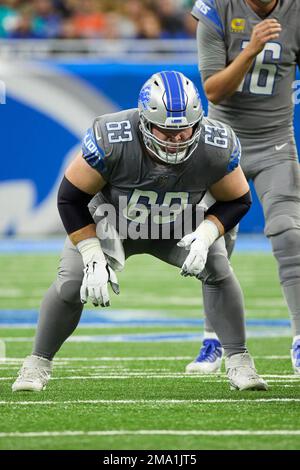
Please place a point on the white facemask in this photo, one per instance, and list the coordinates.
(266, 2)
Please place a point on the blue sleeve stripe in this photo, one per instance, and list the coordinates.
(237, 151)
(235, 157)
(239, 147)
(236, 154)
(207, 11)
(101, 151)
(92, 153)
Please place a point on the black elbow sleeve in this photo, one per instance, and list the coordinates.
(72, 204)
(230, 213)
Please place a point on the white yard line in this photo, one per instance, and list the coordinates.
(272, 358)
(110, 372)
(18, 360)
(152, 402)
(158, 432)
(118, 374)
(161, 337)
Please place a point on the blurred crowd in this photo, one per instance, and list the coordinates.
(106, 19)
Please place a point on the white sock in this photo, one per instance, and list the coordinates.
(210, 335)
(296, 338)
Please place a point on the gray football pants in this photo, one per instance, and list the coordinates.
(61, 307)
(278, 188)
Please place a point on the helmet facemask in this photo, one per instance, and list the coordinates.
(166, 150)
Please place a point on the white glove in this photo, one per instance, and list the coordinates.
(198, 242)
(97, 274)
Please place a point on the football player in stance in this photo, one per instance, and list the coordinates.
(247, 53)
(140, 162)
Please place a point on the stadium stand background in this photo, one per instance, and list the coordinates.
(106, 19)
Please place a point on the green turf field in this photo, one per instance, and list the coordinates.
(135, 395)
(146, 283)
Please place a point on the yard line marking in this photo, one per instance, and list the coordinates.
(119, 377)
(157, 375)
(145, 317)
(109, 358)
(66, 360)
(245, 243)
(157, 432)
(110, 368)
(152, 376)
(58, 361)
(292, 383)
(153, 402)
(282, 376)
(154, 337)
(125, 377)
(272, 358)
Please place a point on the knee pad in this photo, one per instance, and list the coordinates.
(286, 249)
(280, 224)
(69, 291)
(216, 269)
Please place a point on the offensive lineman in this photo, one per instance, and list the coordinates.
(162, 153)
(247, 53)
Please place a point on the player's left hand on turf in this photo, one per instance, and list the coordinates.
(113, 280)
(94, 286)
(196, 259)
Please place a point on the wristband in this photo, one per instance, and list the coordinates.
(208, 232)
(90, 250)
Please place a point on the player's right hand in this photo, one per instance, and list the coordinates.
(94, 287)
(196, 259)
(265, 31)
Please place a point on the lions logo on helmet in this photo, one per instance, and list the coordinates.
(144, 96)
(170, 101)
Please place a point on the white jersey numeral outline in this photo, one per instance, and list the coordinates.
(119, 131)
(262, 67)
(139, 211)
(218, 139)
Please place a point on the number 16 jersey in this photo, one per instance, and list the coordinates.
(263, 103)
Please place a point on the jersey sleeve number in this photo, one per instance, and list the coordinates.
(216, 136)
(262, 77)
(119, 131)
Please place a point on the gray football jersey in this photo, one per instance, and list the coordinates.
(137, 184)
(265, 95)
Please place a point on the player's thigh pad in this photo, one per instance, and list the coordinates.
(217, 266)
(278, 189)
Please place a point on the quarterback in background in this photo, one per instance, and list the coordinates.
(162, 155)
(248, 51)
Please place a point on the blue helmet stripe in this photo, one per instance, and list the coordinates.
(182, 94)
(168, 93)
(174, 93)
